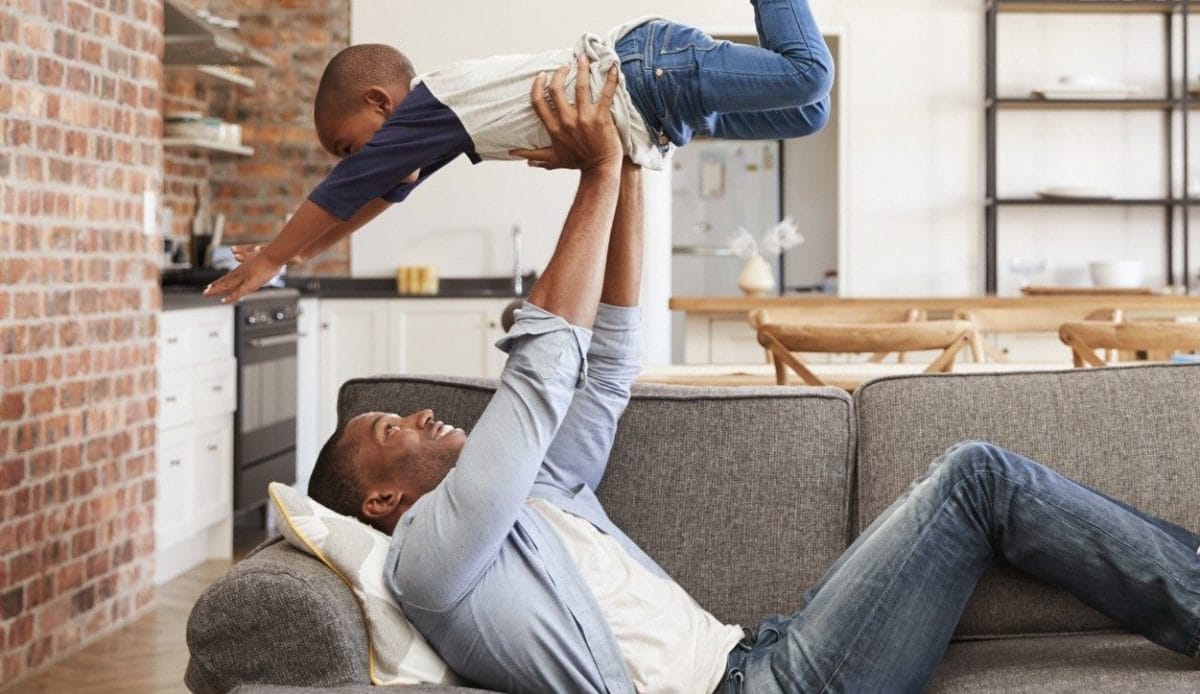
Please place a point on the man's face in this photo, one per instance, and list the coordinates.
(413, 453)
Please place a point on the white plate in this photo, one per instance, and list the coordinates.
(1077, 94)
(1076, 192)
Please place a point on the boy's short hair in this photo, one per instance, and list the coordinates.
(353, 70)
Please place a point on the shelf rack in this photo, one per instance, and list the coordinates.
(1176, 100)
(208, 146)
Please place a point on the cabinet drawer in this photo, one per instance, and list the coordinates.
(175, 398)
(734, 342)
(212, 478)
(213, 339)
(175, 347)
(216, 388)
(173, 502)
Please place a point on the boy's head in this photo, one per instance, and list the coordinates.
(359, 89)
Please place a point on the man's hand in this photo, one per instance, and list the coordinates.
(243, 279)
(244, 252)
(583, 135)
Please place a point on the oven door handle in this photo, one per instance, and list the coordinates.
(272, 341)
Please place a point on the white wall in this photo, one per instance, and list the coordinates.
(913, 71)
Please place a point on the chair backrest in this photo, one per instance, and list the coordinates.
(839, 315)
(1027, 319)
(1085, 337)
(836, 315)
(785, 339)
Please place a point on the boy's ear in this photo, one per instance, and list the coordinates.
(379, 98)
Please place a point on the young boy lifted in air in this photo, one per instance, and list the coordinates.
(394, 128)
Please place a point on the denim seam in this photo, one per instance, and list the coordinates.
(912, 550)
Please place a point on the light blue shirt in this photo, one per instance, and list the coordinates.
(483, 576)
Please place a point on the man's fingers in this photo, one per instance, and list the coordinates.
(583, 82)
(557, 96)
(544, 154)
(540, 107)
(610, 89)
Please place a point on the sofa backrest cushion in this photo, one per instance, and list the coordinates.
(740, 494)
(1131, 432)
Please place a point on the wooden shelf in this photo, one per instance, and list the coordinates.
(1088, 6)
(208, 146)
(214, 72)
(1037, 104)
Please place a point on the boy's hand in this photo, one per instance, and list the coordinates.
(583, 134)
(245, 251)
(243, 279)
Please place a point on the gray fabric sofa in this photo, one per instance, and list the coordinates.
(746, 495)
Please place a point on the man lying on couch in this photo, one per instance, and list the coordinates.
(505, 561)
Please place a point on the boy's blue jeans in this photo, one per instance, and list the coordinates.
(881, 617)
(684, 82)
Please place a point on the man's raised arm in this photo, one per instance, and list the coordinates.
(452, 534)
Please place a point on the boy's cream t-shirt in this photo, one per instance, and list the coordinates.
(490, 96)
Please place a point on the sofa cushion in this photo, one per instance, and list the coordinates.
(1128, 431)
(356, 552)
(276, 595)
(739, 493)
(1067, 663)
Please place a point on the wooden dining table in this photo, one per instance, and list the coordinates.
(847, 376)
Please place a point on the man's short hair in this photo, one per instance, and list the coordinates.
(335, 482)
(353, 70)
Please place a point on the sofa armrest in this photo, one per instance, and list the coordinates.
(276, 617)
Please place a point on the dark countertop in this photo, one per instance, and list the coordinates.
(385, 287)
(178, 298)
(184, 288)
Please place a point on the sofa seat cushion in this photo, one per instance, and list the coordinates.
(1072, 663)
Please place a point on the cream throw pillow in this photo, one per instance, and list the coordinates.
(356, 553)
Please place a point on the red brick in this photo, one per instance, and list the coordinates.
(42, 400)
(12, 407)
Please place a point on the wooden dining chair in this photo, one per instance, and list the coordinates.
(1141, 337)
(1029, 319)
(784, 340)
(839, 315)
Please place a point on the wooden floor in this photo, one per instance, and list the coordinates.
(146, 656)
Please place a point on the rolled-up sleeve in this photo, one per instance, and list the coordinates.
(451, 535)
(580, 451)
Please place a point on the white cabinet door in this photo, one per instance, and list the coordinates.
(212, 471)
(308, 390)
(356, 341)
(448, 337)
(173, 501)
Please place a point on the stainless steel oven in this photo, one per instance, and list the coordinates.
(265, 422)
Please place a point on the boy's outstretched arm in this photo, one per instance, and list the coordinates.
(244, 252)
(307, 225)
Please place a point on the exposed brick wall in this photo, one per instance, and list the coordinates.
(81, 129)
(257, 193)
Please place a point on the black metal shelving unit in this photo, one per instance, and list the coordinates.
(1176, 100)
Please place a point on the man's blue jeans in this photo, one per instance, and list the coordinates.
(881, 617)
(684, 82)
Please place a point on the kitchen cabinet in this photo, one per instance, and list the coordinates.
(371, 337)
(450, 337)
(194, 476)
(308, 389)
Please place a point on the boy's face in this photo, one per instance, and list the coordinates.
(345, 134)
